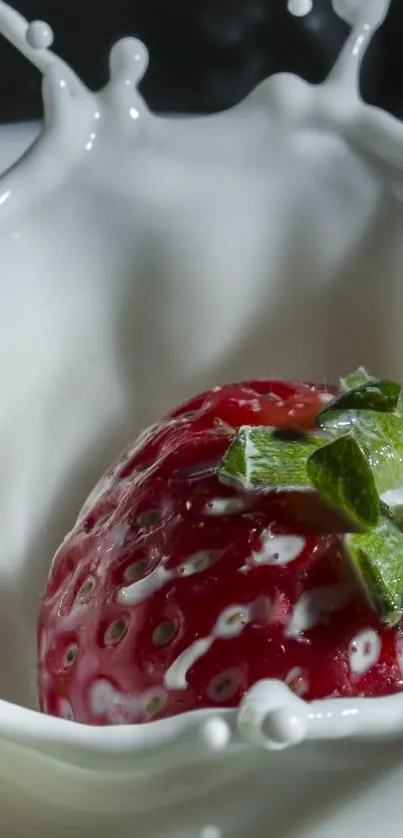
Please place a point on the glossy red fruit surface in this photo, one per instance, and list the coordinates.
(175, 592)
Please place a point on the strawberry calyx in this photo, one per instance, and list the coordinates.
(263, 456)
(354, 461)
(377, 557)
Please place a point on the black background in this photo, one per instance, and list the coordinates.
(205, 55)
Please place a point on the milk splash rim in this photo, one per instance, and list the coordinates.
(73, 115)
(76, 119)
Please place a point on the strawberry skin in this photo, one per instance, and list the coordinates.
(175, 592)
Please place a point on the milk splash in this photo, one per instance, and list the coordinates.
(84, 306)
(336, 104)
(75, 114)
(74, 117)
(128, 62)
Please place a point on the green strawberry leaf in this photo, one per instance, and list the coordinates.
(380, 436)
(355, 379)
(266, 458)
(342, 474)
(377, 557)
(381, 396)
(355, 464)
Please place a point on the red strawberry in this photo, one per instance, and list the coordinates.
(175, 592)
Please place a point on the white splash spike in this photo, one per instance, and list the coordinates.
(128, 63)
(39, 35)
(58, 101)
(34, 41)
(272, 717)
(375, 130)
(69, 121)
(366, 18)
(71, 117)
(348, 10)
(338, 99)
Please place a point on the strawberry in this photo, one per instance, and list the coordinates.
(177, 591)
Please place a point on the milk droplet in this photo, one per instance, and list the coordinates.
(39, 35)
(315, 607)
(176, 676)
(33, 40)
(232, 621)
(215, 734)
(284, 727)
(226, 506)
(144, 588)
(278, 549)
(300, 8)
(364, 651)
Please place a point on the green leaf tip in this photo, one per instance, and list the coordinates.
(354, 379)
(262, 457)
(377, 557)
(354, 462)
(341, 473)
(382, 396)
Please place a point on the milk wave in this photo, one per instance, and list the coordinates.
(74, 118)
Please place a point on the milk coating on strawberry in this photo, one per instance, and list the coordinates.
(176, 591)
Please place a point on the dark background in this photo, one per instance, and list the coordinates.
(205, 55)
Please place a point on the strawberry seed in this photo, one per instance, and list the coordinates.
(84, 594)
(116, 632)
(148, 518)
(71, 655)
(164, 633)
(136, 569)
(153, 705)
(238, 617)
